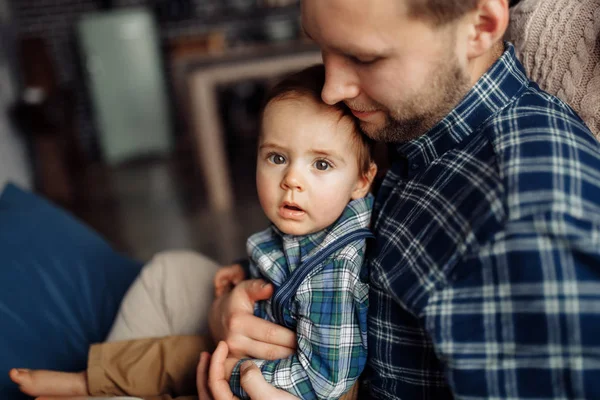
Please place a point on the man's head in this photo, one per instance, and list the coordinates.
(402, 65)
(312, 158)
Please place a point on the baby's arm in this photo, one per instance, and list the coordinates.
(228, 276)
(331, 333)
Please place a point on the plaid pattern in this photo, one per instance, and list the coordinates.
(485, 274)
(329, 310)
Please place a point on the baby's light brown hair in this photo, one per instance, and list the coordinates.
(309, 82)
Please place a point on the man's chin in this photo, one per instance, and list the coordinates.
(380, 132)
(371, 129)
(392, 131)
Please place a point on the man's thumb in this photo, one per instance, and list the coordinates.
(252, 380)
(255, 385)
(259, 290)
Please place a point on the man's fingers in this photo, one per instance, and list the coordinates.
(217, 369)
(216, 374)
(255, 385)
(270, 333)
(249, 348)
(202, 377)
(254, 337)
(257, 289)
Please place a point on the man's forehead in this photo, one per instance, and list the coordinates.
(354, 9)
(330, 22)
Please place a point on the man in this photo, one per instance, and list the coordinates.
(485, 272)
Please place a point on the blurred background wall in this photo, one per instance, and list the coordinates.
(239, 21)
(14, 165)
(68, 81)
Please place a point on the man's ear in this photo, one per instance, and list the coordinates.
(364, 182)
(487, 24)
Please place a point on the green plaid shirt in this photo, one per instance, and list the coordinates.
(328, 311)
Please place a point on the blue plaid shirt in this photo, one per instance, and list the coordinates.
(329, 310)
(485, 273)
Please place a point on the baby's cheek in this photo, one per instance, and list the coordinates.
(332, 207)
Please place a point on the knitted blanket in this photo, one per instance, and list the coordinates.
(558, 42)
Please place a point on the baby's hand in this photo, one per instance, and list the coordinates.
(228, 276)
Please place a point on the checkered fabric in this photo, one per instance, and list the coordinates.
(329, 309)
(485, 273)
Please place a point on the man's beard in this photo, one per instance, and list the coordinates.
(416, 116)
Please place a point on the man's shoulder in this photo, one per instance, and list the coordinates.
(536, 114)
(544, 152)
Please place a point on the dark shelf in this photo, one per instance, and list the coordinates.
(229, 16)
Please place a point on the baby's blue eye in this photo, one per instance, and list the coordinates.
(322, 165)
(277, 159)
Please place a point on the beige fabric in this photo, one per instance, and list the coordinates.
(558, 42)
(171, 296)
(154, 368)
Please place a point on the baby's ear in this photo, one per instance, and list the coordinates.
(363, 185)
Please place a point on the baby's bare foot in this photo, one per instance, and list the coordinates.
(49, 383)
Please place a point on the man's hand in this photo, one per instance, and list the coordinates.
(232, 320)
(212, 382)
(227, 277)
(202, 381)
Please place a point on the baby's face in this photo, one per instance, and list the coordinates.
(307, 167)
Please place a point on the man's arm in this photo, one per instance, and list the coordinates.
(521, 318)
(331, 329)
(232, 320)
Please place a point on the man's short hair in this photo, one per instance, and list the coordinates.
(440, 12)
(309, 82)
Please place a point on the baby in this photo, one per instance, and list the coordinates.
(314, 171)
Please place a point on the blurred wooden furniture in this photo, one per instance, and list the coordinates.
(46, 114)
(181, 51)
(204, 75)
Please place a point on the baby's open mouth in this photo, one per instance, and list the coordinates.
(291, 211)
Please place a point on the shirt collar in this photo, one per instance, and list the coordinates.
(505, 80)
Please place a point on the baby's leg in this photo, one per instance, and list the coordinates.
(159, 366)
(171, 296)
(50, 383)
(142, 367)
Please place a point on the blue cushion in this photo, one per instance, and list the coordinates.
(60, 287)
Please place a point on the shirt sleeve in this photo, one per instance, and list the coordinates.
(521, 316)
(331, 332)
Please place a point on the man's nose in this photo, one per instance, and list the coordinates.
(292, 180)
(341, 82)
